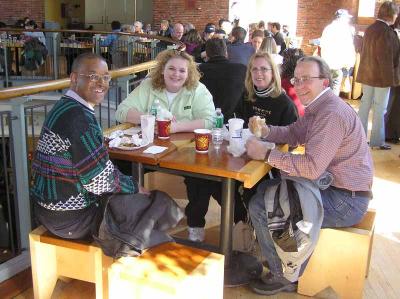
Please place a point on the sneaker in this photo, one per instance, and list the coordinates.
(271, 285)
(196, 234)
(384, 147)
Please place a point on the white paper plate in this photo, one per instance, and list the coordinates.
(131, 148)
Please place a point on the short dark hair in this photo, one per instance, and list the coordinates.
(239, 33)
(387, 10)
(19, 24)
(80, 60)
(290, 58)
(276, 25)
(258, 33)
(324, 70)
(215, 47)
(31, 23)
(115, 25)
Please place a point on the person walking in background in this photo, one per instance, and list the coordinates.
(392, 119)
(339, 55)
(379, 70)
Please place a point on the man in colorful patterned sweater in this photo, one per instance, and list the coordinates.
(72, 173)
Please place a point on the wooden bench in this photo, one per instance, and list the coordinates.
(169, 270)
(53, 258)
(340, 260)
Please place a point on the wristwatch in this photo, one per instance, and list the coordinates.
(267, 155)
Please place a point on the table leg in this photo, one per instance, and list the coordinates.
(138, 172)
(225, 243)
(240, 267)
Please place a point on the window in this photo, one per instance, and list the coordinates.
(366, 11)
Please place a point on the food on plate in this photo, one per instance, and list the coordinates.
(256, 126)
(133, 141)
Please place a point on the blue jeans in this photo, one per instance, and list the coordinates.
(376, 98)
(340, 210)
(337, 77)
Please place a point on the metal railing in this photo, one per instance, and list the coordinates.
(9, 238)
(50, 56)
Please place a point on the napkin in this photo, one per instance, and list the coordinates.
(115, 142)
(235, 150)
(115, 134)
(155, 149)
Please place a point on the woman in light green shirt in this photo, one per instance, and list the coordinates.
(175, 83)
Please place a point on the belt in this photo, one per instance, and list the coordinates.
(367, 194)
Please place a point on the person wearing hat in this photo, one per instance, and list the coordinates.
(200, 52)
(337, 47)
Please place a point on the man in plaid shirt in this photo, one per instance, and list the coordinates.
(335, 143)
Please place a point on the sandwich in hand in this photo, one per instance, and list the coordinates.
(256, 126)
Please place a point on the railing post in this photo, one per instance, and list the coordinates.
(6, 65)
(123, 85)
(96, 41)
(21, 170)
(130, 50)
(56, 44)
(153, 49)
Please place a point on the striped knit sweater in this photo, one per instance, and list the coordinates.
(71, 168)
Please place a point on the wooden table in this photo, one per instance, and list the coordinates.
(220, 165)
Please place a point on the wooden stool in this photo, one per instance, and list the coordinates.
(340, 260)
(169, 270)
(53, 257)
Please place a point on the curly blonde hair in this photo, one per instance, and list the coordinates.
(157, 74)
(276, 78)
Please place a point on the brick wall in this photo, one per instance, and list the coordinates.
(176, 10)
(12, 10)
(314, 15)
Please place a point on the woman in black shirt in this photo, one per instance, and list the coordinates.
(266, 98)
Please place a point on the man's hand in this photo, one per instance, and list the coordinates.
(143, 190)
(257, 124)
(256, 149)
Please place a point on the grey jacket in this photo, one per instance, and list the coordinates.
(134, 223)
(309, 228)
